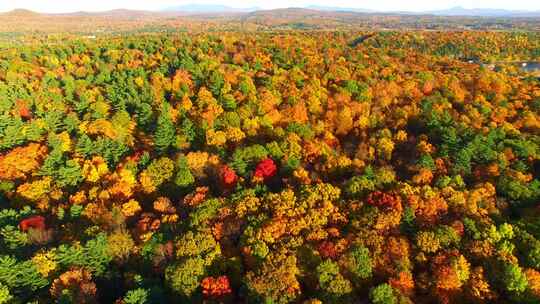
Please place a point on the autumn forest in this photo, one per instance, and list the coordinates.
(269, 163)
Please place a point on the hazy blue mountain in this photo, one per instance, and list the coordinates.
(209, 8)
(339, 9)
(483, 12)
(454, 11)
(195, 8)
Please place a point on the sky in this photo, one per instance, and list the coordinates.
(62, 6)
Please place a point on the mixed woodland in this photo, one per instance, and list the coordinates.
(270, 167)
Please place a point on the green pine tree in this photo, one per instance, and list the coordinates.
(165, 134)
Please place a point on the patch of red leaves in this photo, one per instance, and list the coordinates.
(384, 200)
(24, 110)
(228, 177)
(34, 222)
(265, 169)
(328, 249)
(196, 197)
(216, 287)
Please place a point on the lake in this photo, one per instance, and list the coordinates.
(530, 66)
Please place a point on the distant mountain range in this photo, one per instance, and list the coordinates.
(190, 9)
(209, 8)
(455, 11)
(340, 9)
(483, 12)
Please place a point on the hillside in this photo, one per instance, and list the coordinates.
(204, 18)
(20, 13)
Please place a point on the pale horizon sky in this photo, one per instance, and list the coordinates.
(63, 6)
